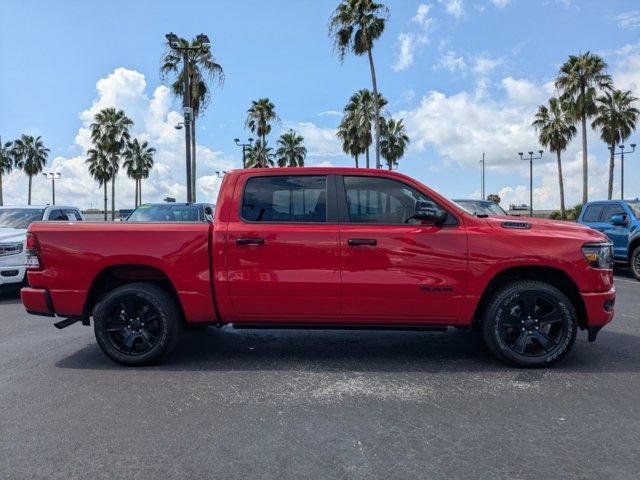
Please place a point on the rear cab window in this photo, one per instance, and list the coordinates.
(592, 213)
(285, 199)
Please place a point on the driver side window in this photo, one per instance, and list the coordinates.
(382, 201)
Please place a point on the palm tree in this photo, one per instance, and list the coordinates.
(359, 115)
(6, 162)
(30, 156)
(259, 155)
(580, 79)
(616, 119)
(110, 130)
(202, 68)
(291, 151)
(394, 141)
(138, 162)
(101, 169)
(355, 25)
(348, 132)
(259, 115)
(555, 131)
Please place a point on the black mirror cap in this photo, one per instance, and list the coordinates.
(429, 212)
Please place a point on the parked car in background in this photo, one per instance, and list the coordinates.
(620, 221)
(14, 222)
(172, 212)
(482, 207)
(326, 248)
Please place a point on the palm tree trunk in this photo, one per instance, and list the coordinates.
(356, 158)
(105, 200)
(139, 191)
(611, 169)
(376, 106)
(113, 198)
(366, 156)
(29, 199)
(135, 202)
(193, 158)
(563, 213)
(585, 167)
(1, 200)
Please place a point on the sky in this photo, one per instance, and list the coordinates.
(465, 75)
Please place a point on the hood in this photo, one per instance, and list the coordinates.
(13, 235)
(553, 228)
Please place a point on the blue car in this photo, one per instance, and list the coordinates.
(620, 221)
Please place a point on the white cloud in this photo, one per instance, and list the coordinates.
(451, 62)
(453, 7)
(410, 43)
(330, 113)
(501, 3)
(153, 121)
(628, 19)
(320, 141)
(421, 15)
(483, 64)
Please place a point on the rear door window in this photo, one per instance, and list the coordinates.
(73, 215)
(57, 216)
(592, 213)
(285, 199)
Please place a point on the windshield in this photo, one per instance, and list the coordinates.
(165, 213)
(481, 208)
(19, 217)
(635, 206)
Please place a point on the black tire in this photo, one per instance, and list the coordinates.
(635, 263)
(530, 324)
(136, 324)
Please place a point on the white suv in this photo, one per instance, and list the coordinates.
(14, 222)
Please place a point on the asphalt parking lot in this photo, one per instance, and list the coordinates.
(316, 404)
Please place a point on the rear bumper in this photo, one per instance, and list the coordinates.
(37, 301)
(599, 307)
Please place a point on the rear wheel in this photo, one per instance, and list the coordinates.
(136, 324)
(635, 263)
(529, 323)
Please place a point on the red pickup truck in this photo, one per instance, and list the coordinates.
(325, 248)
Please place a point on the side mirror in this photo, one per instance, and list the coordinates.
(208, 213)
(429, 212)
(618, 220)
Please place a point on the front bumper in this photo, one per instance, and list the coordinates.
(599, 307)
(11, 274)
(37, 301)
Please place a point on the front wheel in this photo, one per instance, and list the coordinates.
(528, 323)
(635, 263)
(136, 324)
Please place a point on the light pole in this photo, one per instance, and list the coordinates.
(184, 49)
(531, 159)
(53, 176)
(482, 177)
(621, 153)
(244, 149)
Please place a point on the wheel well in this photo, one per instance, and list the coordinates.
(552, 276)
(117, 275)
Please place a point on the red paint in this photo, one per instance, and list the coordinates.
(418, 274)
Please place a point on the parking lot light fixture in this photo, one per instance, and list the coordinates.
(244, 149)
(531, 159)
(622, 153)
(53, 176)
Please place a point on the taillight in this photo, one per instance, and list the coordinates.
(33, 256)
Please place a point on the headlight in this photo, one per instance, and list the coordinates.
(10, 248)
(598, 255)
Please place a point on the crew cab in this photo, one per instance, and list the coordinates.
(620, 221)
(325, 248)
(13, 234)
